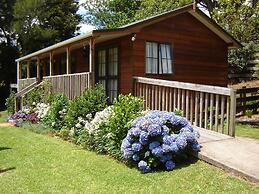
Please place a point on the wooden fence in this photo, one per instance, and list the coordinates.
(208, 107)
(71, 85)
(23, 83)
(247, 99)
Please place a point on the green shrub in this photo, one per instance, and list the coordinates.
(64, 133)
(57, 112)
(109, 137)
(38, 95)
(249, 113)
(10, 103)
(91, 101)
(178, 111)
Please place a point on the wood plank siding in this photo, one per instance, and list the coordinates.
(199, 56)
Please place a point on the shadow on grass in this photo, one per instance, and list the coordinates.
(4, 148)
(3, 170)
(180, 163)
(183, 164)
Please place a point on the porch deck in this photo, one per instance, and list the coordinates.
(239, 156)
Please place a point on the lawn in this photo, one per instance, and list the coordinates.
(43, 164)
(3, 116)
(247, 131)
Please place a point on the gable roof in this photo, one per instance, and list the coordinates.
(108, 34)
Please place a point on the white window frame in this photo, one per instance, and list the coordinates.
(156, 61)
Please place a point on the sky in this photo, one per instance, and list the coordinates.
(84, 27)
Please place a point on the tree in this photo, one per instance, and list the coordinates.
(8, 50)
(153, 7)
(40, 23)
(115, 13)
(6, 17)
(239, 19)
(111, 13)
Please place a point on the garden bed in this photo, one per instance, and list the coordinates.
(149, 140)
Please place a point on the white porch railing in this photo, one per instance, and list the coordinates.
(23, 83)
(71, 85)
(208, 107)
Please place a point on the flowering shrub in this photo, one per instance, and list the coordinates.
(107, 139)
(90, 136)
(74, 132)
(41, 110)
(157, 139)
(18, 117)
(38, 95)
(91, 101)
(56, 113)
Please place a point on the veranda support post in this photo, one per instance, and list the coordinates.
(68, 60)
(91, 61)
(51, 63)
(19, 74)
(28, 69)
(38, 69)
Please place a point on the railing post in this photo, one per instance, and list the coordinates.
(19, 74)
(51, 63)
(133, 87)
(232, 113)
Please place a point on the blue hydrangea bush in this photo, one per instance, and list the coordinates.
(156, 139)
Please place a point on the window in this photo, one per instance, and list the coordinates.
(159, 58)
(108, 71)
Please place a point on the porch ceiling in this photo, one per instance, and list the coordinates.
(72, 43)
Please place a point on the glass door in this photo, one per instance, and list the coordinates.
(107, 71)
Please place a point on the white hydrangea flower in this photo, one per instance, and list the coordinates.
(26, 110)
(53, 124)
(100, 118)
(78, 125)
(71, 132)
(41, 109)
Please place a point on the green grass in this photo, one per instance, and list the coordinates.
(247, 131)
(42, 164)
(3, 116)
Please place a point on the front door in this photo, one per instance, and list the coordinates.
(107, 71)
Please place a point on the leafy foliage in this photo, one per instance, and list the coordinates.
(109, 137)
(242, 21)
(110, 14)
(42, 23)
(8, 53)
(10, 103)
(6, 13)
(153, 7)
(57, 111)
(238, 59)
(91, 101)
(38, 95)
(239, 19)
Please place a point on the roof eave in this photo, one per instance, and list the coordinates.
(218, 30)
(56, 46)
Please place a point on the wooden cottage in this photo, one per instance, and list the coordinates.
(181, 45)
